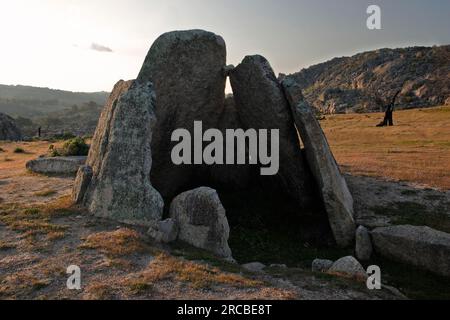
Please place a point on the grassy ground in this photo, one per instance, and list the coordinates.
(416, 149)
(38, 243)
(41, 234)
(17, 185)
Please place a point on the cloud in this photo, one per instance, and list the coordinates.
(100, 48)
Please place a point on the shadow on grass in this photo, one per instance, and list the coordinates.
(416, 214)
(414, 283)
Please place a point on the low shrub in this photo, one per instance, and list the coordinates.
(73, 147)
(76, 147)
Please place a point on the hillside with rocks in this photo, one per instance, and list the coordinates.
(368, 81)
(27, 101)
(55, 111)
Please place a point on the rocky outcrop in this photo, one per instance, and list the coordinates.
(368, 81)
(56, 165)
(348, 267)
(187, 71)
(364, 247)
(201, 220)
(333, 187)
(422, 247)
(261, 104)
(117, 180)
(8, 129)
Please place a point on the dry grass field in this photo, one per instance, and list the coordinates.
(416, 149)
(17, 185)
(41, 233)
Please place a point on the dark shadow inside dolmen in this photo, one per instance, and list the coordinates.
(266, 224)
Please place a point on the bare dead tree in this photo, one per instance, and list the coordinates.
(389, 111)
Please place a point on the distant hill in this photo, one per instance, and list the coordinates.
(30, 102)
(367, 81)
(55, 111)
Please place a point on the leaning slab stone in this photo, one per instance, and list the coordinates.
(201, 220)
(82, 181)
(120, 159)
(187, 71)
(349, 267)
(261, 104)
(333, 187)
(422, 247)
(56, 165)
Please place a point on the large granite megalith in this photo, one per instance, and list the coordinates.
(130, 169)
(115, 183)
(187, 71)
(333, 187)
(261, 104)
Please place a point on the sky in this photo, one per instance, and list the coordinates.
(87, 45)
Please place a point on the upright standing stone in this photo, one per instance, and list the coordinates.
(261, 104)
(116, 182)
(333, 187)
(187, 70)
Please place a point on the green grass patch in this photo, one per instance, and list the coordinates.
(434, 197)
(33, 221)
(181, 249)
(19, 150)
(140, 287)
(270, 246)
(409, 192)
(45, 193)
(415, 214)
(269, 228)
(414, 283)
(4, 246)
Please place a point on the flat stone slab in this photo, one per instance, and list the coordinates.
(56, 165)
(421, 247)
